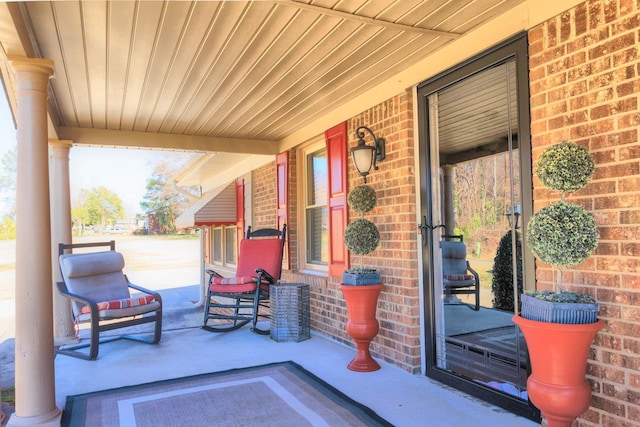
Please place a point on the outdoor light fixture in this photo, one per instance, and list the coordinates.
(365, 156)
(515, 214)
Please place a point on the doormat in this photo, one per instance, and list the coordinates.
(279, 394)
(489, 355)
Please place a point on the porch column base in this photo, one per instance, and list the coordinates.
(51, 419)
(60, 341)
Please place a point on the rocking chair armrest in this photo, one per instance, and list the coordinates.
(472, 271)
(93, 305)
(269, 277)
(212, 274)
(156, 295)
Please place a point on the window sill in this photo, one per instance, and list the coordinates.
(314, 272)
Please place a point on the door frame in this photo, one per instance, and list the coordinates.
(514, 48)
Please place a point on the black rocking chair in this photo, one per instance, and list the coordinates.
(232, 302)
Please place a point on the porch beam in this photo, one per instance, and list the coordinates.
(164, 141)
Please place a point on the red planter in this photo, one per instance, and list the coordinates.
(558, 354)
(362, 326)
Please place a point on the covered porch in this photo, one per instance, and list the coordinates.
(399, 397)
(190, 76)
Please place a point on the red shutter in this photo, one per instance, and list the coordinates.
(282, 199)
(336, 140)
(240, 222)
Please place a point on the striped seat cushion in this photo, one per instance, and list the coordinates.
(233, 284)
(457, 277)
(121, 303)
(232, 280)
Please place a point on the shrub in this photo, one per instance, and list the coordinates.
(502, 282)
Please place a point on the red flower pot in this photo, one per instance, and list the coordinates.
(558, 355)
(362, 326)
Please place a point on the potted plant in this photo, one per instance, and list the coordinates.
(559, 326)
(361, 236)
(361, 286)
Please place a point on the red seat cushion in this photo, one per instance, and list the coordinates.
(254, 253)
(121, 303)
(232, 284)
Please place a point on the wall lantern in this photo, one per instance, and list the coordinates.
(365, 156)
(515, 214)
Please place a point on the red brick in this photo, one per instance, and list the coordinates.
(580, 17)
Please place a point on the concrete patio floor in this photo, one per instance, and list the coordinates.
(400, 397)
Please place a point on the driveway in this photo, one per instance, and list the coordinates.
(156, 262)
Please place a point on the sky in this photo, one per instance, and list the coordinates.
(122, 171)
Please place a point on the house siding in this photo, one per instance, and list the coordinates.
(584, 82)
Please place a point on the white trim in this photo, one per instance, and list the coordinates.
(302, 152)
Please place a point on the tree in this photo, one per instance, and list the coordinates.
(162, 201)
(98, 206)
(8, 173)
(7, 228)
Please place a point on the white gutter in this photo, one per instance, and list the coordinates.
(202, 292)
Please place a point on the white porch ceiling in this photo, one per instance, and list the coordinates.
(229, 76)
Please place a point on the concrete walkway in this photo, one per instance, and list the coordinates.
(401, 398)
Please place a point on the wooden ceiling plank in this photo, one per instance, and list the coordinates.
(234, 87)
(365, 60)
(188, 69)
(237, 39)
(144, 50)
(341, 44)
(328, 33)
(95, 36)
(288, 50)
(120, 16)
(167, 43)
(210, 48)
(366, 20)
(475, 13)
(373, 65)
(41, 17)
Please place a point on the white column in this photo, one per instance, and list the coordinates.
(35, 379)
(60, 191)
(449, 214)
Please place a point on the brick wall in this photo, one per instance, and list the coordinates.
(396, 257)
(395, 216)
(264, 197)
(585, 81)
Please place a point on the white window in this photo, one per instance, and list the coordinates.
(315, 255)
(224, 245)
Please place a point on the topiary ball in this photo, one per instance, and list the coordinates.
(562, 234)
(362, 198)
(361, 237)
(565, 167)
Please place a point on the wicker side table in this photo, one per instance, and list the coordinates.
(290, 318)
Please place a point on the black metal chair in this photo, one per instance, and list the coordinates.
(459, 278)
(232, 302)
(100, 295)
